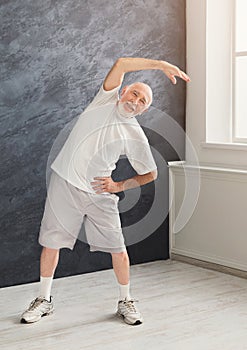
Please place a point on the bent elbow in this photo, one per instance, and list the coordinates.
(154, 174)
(119, 62)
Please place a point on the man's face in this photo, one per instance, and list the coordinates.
(135, 99)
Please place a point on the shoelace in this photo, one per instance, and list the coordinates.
(130, 304)
(35, 303)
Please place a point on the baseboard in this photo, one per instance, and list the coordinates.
(209, 265)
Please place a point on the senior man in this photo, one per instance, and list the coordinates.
(81, 189)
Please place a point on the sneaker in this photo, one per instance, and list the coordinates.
(128, 311)
(38, 308)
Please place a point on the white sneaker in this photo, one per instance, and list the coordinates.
(38, 308)
(128, 311)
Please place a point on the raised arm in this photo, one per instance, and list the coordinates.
(129, 64)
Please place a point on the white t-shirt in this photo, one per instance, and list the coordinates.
(100, 136)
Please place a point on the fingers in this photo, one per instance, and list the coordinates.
(101, 178)
(181, 75)
(97, 182)
(99, 189)
(184, 76)
(175, 71)
(173, 79)
(100, 185)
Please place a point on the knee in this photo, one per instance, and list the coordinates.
(120, 256)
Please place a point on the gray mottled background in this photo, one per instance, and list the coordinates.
(54, 57)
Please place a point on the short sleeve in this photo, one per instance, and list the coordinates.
(139, 155)
(104, 97)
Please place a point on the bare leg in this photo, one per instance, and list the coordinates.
(48, 261)
(126, 307)
(120, 262)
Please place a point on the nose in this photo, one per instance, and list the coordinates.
(135, 100)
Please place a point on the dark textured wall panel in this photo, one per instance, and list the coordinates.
(54, 57)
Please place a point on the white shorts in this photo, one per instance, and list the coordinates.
(67, 207)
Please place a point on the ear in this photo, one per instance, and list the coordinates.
(124, 90)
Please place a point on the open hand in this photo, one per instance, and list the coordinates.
(171, 71)
(105, 184)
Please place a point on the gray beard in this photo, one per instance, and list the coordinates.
(123, 112)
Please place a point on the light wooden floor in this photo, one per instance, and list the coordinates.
(184, 307)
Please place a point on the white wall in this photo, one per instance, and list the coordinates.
(217, 230)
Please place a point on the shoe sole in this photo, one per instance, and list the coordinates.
(137, 322)
(46, 314)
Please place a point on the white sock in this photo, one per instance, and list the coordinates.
(45, 287)
(124, 290)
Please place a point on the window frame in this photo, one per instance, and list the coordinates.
(235, 55)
